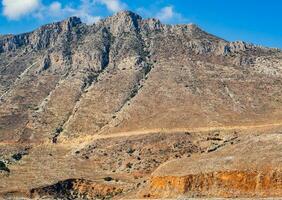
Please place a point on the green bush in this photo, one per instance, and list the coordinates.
(108, 178)
(3, 167)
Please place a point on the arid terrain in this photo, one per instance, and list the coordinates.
(130, 108)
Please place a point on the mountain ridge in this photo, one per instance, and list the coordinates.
(74, 21)
(59, 45)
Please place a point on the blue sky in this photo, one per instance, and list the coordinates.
(255, 21)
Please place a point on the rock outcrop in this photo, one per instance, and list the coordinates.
(251, 168)
(77, 189)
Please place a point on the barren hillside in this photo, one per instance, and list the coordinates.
(133, 108)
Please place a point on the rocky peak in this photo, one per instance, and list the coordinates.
(123, 22)
(64, 25)
(152, 24)
(127, 14)
(70, 22)
(40, 38)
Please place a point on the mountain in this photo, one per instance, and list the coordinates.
(133, 108)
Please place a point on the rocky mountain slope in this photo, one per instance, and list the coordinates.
(92, 111)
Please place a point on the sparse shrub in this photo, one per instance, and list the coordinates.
(3, 167)
(59, 129)
(108, 178)
(17, 156)
(130, 150)
(134, 92)
(129, 165)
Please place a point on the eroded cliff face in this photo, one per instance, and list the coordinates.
(77, 189)
(219, 184)
(72, 94)
(250, 169)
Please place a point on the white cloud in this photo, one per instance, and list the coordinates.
(15, 9)
(89, 19)
(55, 7)
(84, 15)
(85, 12)
(56, 11)
(166, 14)
(112, 5)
